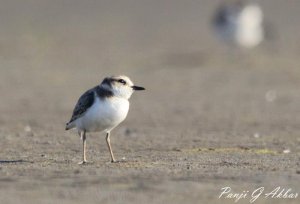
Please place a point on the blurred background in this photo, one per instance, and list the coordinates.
(52, 51)
(201, 91)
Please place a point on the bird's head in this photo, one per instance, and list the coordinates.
(121, 86)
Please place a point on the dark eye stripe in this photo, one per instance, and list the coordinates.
(122, 81)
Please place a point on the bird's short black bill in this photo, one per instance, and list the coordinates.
(138, 88)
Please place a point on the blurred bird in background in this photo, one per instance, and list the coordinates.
(240, 23)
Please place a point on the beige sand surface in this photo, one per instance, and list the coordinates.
(211, 117)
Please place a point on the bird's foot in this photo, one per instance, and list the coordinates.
(84, 162)
(118, 161)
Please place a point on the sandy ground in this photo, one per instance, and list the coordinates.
(211, 117)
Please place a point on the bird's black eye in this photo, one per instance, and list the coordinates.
(122, 81)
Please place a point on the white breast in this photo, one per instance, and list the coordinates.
(250, 29)
(104, 115)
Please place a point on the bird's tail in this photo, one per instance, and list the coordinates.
(70, 125)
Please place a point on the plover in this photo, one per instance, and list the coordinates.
(102, 108)
(240, 22)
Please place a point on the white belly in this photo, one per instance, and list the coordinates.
(249, 36)
(104, 115)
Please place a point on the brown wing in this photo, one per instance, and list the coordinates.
(83, 104)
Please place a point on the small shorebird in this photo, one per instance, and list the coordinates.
(240, 22)
(102, 108)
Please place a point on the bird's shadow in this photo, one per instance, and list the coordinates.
(14, 161)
